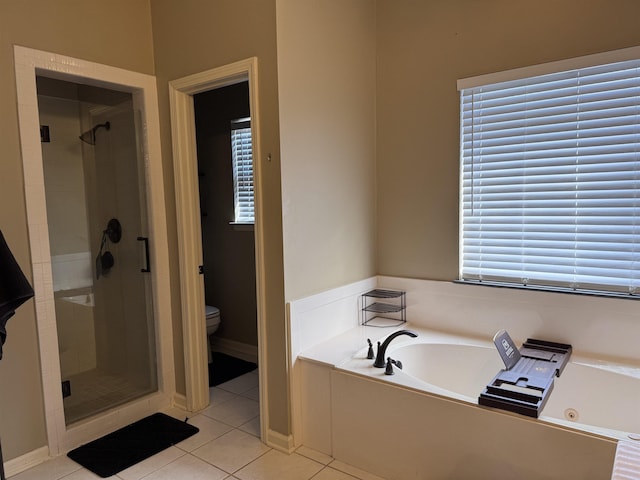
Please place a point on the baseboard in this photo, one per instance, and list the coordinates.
(26, 461)
(180, 401)
(281, 442)
(235, 349)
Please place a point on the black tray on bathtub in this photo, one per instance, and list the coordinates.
(525, 385)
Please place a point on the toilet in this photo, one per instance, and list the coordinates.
(212, 317)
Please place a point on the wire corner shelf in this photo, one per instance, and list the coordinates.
(383, 307)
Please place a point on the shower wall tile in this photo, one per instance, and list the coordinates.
(39, 244)
(26, 82)
(36, 206)
(37, 281)
(33, 171)
(48, 331)
(72, 271)
(47, 283)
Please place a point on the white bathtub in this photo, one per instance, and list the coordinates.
(461, 369)
(585, 395)
(424, 422)
(591, 395)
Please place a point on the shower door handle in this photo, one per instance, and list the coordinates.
(146, 254)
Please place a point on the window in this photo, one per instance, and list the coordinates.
(550, 180)
(242, 158)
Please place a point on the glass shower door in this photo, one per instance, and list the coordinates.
(103, 298)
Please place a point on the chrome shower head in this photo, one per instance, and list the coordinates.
(90, 135)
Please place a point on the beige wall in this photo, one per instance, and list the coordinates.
(192, 36)
(326, 83)
(423, 48)
(96, 31)
(345, 70)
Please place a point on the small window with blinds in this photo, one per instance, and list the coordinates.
(242, 158)
(550, 180)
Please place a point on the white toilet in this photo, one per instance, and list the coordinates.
(212, 316)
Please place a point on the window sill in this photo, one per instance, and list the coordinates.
(540, 288)
(242, 227)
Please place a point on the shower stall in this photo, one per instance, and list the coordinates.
(98, 238)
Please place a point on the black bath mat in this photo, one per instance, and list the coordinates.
(225, 367)
(123, 448)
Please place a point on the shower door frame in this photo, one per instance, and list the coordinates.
(29, 63)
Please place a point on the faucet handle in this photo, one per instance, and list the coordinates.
(370, 351)
(389, 368)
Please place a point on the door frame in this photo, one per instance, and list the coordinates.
(185, 164)
(29, 63)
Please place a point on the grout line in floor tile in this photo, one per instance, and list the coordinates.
(231, 475)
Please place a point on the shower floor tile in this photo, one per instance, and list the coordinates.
(94, 391)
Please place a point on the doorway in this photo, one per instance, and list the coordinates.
(223, 138)
(98, 238)
(181, 93)
(30, 64)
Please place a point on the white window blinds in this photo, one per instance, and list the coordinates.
(242, 157)
(550, 177)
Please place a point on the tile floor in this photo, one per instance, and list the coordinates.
(95, 391)
(226, 447)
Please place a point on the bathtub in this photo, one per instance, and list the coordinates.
(425, 422)
(590, 395)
